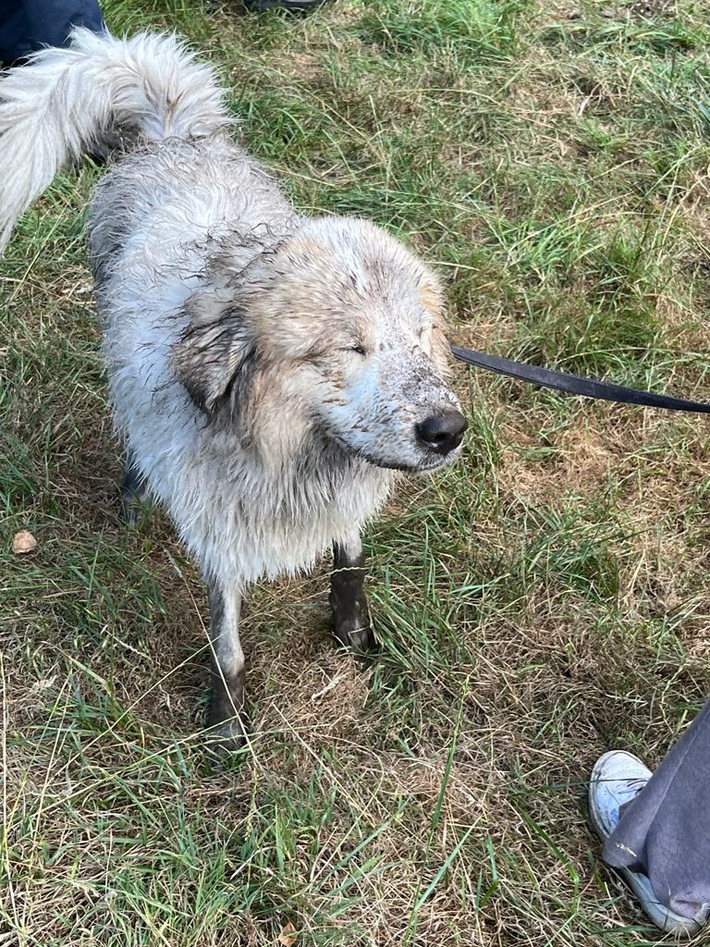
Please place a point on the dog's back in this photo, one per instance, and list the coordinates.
(179, 192)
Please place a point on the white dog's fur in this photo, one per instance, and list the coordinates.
(269, 372)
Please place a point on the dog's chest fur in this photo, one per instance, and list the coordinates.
(274, 520)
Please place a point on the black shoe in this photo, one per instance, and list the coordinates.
(295, 6)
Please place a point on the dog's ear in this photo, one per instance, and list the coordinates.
(431, 294)
(214, 350)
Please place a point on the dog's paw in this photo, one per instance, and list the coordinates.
(133, 509)
(136, 501)
(229, 735)
(226, 718)
(360, 639)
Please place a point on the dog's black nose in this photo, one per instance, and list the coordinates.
(442, 433)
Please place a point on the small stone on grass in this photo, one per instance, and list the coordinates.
(23, 542)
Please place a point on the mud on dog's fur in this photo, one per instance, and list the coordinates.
(269, 372)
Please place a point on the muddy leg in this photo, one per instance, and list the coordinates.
(134, 493)
(351, 618)
(227, 701)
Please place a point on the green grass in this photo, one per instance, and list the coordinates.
(541, 602)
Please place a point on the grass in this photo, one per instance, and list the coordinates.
(541, 602)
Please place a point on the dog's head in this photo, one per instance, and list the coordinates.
(347, 326)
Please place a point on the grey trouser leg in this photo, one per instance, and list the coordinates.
(665, 831)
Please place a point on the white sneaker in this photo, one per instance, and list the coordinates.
(617, 778)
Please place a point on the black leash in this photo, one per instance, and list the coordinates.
(575, 384)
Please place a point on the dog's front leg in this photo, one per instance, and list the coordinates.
(227, 700)
(351, 617)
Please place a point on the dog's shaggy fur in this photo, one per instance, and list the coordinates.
(269, 372)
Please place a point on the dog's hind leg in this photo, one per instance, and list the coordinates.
(135, 498)
(351, 617)
(227, 700)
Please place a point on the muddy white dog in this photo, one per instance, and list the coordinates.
(269, 372)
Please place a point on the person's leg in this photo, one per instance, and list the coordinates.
(663, 831)
(32, 24)
(13, 30)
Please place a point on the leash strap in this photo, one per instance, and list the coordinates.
(575, 384)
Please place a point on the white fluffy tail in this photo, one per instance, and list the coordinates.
(58, 107)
